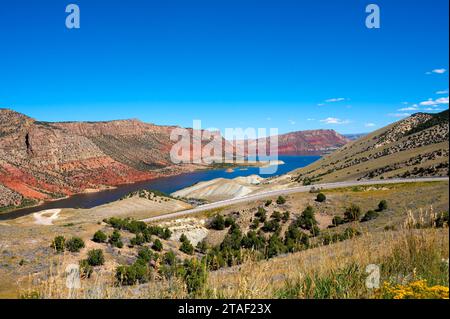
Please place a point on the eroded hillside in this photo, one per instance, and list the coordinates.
(414, 147)
(42, 161)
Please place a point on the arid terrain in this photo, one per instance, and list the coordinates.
(304, 242)
(27, 269)
(44, 161)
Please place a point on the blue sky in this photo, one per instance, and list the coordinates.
(293, 65)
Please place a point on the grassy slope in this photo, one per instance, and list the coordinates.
(325, 170)
(338, 270)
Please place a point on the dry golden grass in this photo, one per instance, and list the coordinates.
(403, 255)
(268, 279)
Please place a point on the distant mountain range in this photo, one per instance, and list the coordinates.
(310, 142)
(42, 160)
(417, 146)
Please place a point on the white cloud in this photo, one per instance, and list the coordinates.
(310, 119)
(442, 92)
(399, 114)
(437, 71)
(334, 120)
(269, 119)
(409, 108)
(336, 99)
(431, 102)
(369, 124)
(442, 100)
(320, 104)
(292, 122)
(427, 103)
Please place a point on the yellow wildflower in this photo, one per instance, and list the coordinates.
(414, 290)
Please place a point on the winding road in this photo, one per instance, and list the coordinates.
(287, 191)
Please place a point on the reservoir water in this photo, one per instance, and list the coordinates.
(167, 185)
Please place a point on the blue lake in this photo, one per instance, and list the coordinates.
(167, 185)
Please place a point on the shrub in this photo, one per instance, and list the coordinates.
(169, 258)
(183, 238)
(187, 248)
(96, 257)
(130, 275)
(115, 239)
(295, 240)
(232, 240)
(308, 213)
(286, 216)
(275, 246)
(99, 237)
(255, 224)
(276, 216)
(229, 221)
(135, 226)
(321, 198)
(370, 215)
(218, 222)
(352, 213)
(307, 219)
(214, 259)
(138, 240)
(271, 226)
(169, 271)
(163, 233)
(146, 255)
(307, 181)
(86, 270)
(348, 233)
(315, 230)
(281, 200)
(58, 244)
(157, 245)
(75, 244)
(337, 220)
(261, 214)
(195, 276)
(268, 203)
(442, 220)
(147, 235)
(166, 234)
(116, 223)
(253, 241)
(382, 205)
(202, 247)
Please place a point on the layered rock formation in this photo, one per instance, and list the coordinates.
(310, 142)
(42, 160)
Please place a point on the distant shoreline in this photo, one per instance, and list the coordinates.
(15, 212)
